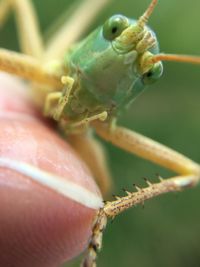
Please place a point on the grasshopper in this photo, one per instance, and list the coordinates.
(89, 85)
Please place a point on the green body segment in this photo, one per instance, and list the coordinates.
(105, 79)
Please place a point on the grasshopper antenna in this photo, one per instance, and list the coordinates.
(142, 21)
(176, 58)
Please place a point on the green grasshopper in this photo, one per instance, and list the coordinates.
(89, 86)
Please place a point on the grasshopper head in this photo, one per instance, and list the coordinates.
(129, 35)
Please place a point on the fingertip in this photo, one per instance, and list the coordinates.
(40, 226)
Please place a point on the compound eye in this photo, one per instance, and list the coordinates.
(153, 74)
(114, 26)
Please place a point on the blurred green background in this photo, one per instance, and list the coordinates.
(167, 231)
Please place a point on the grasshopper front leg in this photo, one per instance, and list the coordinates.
(146, 148)
(60, 97)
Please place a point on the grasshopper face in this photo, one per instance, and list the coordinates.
(111, 65)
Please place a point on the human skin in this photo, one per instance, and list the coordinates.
(39, 227)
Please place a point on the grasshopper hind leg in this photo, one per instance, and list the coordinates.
(30, 38)
(28, 28)
(189, 176)
(75, 25)
(94, 155)
(5, 7)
